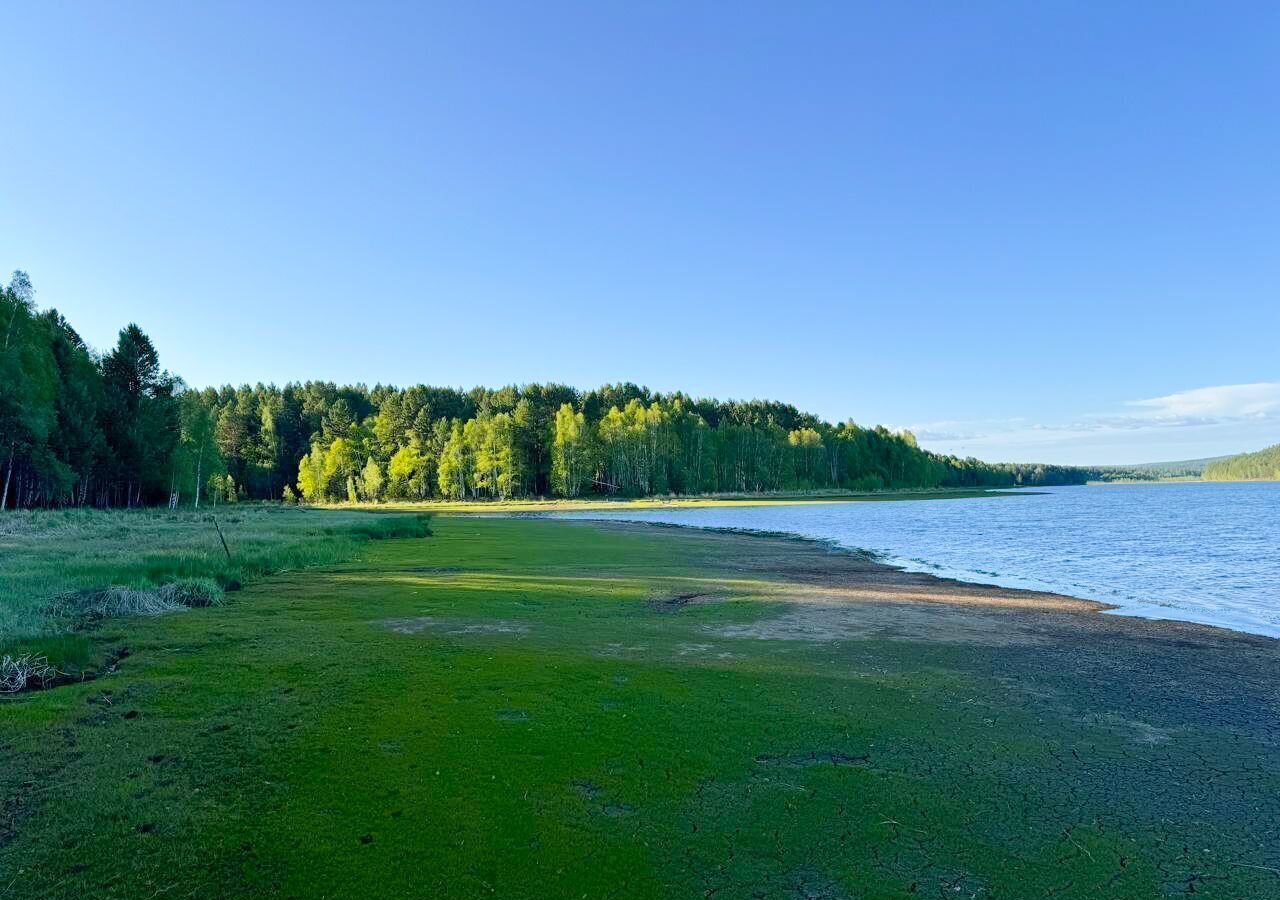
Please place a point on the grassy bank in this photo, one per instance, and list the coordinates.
(65, 569)
(524, 707)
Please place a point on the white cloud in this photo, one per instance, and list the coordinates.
(1205, 421)
(1231, 401)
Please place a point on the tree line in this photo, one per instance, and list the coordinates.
(1263, 465)
(83, 428)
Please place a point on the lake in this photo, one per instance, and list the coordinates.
(1195, 551)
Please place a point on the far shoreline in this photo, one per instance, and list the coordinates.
(686, 501)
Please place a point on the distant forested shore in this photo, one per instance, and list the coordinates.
(1263, 465)
(112, 429)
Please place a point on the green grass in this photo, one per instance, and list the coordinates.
(547, 731)
(57, 563)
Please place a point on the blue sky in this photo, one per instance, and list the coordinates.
(1028, 231)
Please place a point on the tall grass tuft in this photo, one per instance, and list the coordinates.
(117, 600)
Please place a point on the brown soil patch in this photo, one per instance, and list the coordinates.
(843, 616)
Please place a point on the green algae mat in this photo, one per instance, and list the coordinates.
(542, 708)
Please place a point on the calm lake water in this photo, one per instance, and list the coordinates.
(1200, 552)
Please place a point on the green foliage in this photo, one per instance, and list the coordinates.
(370, 482)
(311, 478)
(572, 456)
(1263, 465)
(409, 474)
(28, 390)
(495, 459)
(196, 456)
(79, 431)
(455, 466)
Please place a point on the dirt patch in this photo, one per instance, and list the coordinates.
(513, 715)
(419, 624)
(841, 616)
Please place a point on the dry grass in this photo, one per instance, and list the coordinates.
(17, 673)
(118, 600)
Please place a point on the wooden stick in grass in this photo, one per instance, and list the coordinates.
(221, 538)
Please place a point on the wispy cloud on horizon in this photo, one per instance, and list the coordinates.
(1203, 421)
(1238, 401)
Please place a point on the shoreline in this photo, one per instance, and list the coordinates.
(684, 501)
(927, 570)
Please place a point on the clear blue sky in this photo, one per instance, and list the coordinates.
(1001, 224)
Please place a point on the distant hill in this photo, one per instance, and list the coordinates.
(1183, 468)
(1264, 465)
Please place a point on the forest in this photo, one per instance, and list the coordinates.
(1263, 465)
(80, 427)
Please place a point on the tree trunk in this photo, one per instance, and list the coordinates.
(199, 465)
(4, 498)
